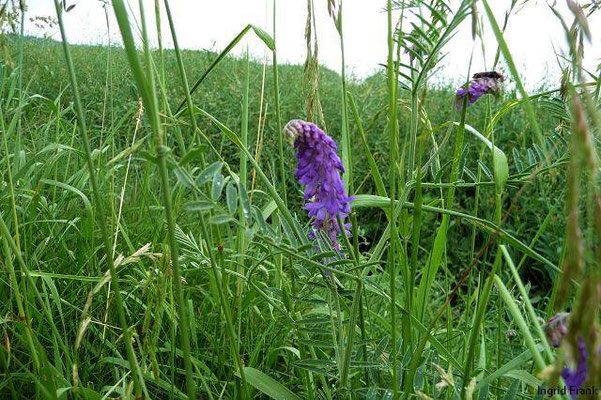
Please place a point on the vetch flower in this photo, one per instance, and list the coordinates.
(574, 374)
(319, 169)
(482, 83)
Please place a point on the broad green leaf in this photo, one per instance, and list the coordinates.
(268, 385)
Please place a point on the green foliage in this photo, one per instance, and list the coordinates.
(114, 179)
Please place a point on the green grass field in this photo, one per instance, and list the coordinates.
(155, 244)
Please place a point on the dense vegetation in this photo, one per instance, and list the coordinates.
(152, 249)
(220, 95)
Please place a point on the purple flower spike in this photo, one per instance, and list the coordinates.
(482, 83)
(319, 169)
(574, 373)
(575, 378)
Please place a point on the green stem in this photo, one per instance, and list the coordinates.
(480, 309)
(276, 97)
(516, 76)
(23, 317)
(182, 72)
(392, 134)
(531, 313)
(234, 343)
(146, 86)
(519, 319)
(133, 362)
(346, 141)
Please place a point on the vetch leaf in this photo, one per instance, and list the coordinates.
(221, 219)
(192, 155)
(516, 160)
(208, 173)
(231, 197)
(184, 177)
(200, 205)
(245, 202)
(217, 186)
(531, 157)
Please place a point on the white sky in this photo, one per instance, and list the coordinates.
(533, 33)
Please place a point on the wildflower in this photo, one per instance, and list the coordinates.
(319, 169)
(574, 374)
(482, 83)
(575, 377)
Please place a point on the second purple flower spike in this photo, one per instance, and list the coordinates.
(319, 169)
(482, 83)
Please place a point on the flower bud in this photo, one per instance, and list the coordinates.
(557, 328)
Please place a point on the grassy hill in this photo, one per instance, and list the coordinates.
(298, 317)
(110, 96)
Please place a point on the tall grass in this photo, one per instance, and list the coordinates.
(163, 252)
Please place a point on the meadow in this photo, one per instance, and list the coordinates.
(158, 243)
